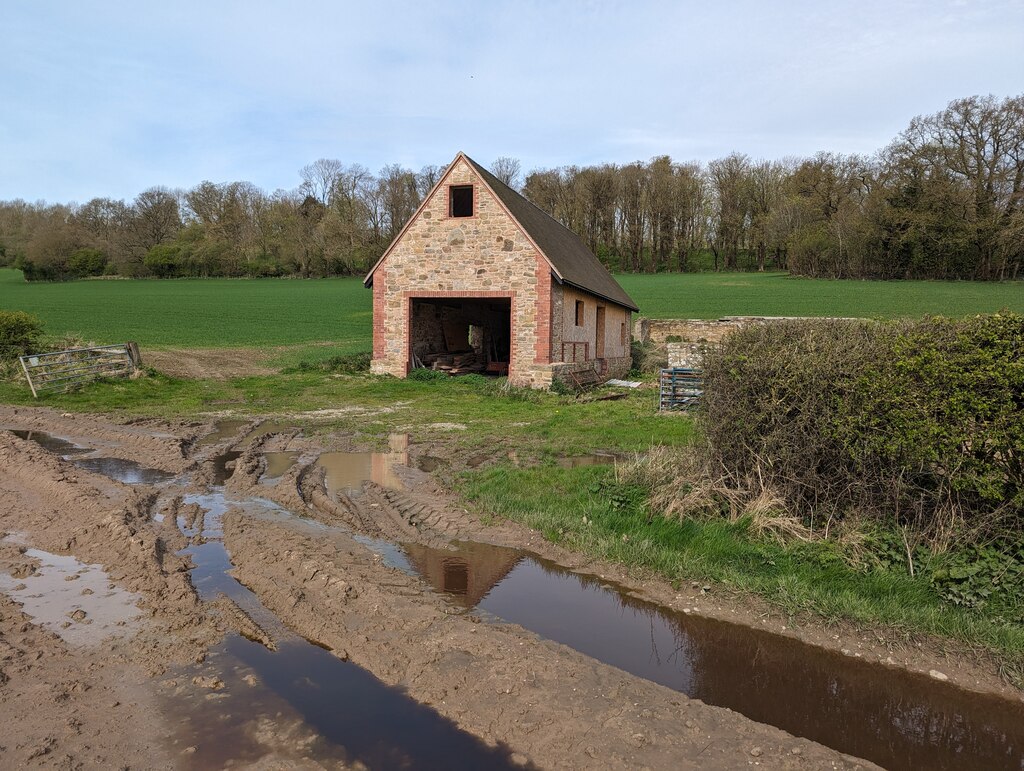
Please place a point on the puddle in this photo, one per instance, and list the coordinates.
(223, 466)
(54, 444)
(62, 586)
(594, 459)
(265, 428)
(127, 471)
(223, 429)
(327, 708)
(278, 463)
(345, 472)
(892, 717)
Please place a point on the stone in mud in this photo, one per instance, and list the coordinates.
(213, 683)
(78, 615)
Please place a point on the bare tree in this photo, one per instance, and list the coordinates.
(730, 180)
(319, 179)
(428, 176)
(509, 171)
(157, 217)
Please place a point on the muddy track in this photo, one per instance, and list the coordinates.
(550, 705)
(162, 444)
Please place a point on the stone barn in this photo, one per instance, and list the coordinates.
(481, 280)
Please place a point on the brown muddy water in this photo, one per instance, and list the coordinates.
(594, 459)
(126, 471)
(73, 599)
(344, 712)
(278, 464)
(223, 429)
(266, 428)
(895, 718)
(345, 472)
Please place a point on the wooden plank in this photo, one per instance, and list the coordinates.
(28, 377)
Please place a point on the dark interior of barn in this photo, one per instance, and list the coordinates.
(462, 336)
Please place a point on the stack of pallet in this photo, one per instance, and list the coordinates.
(460, 363)
(681, 388)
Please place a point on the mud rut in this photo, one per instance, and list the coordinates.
(277, 631)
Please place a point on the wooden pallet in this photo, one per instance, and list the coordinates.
(681, 388)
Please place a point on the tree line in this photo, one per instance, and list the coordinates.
(943, 200)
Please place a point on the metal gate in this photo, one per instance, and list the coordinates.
(61, 370)
(681, 388)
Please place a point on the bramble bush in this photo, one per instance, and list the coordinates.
(20, 334)
(916, 424)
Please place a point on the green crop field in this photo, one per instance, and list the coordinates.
(712, 295)
(220, 313)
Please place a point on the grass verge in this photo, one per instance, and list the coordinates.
(585, 510)
(467, 414)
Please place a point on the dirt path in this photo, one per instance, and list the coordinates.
(212, 363)
(549, 705)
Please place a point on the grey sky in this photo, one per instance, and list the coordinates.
(108, 98)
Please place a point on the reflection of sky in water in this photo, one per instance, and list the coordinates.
(344, 704)
(887, 715)
(49, 597)
(893, 717)
(127, 471)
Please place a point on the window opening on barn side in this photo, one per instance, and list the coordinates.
(579, 313)
(460, 201)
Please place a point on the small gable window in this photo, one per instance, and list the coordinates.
(460, 201)
(579, 313)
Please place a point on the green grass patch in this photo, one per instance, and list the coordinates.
(583, 509)
(226, 313)
(470, 414)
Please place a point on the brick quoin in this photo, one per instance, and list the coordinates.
(542, 346)
(379, 291)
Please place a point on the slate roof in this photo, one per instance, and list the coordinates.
(572, 262)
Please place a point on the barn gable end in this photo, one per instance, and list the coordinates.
(465, 287)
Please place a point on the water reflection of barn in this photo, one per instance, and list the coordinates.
(467, 575)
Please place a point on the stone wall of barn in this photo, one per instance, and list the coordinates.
(485, 255)
(575, 344)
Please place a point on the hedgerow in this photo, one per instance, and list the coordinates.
(916, 424)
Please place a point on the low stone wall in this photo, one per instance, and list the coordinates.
(695, 335)
(690, 355)
(691, 330)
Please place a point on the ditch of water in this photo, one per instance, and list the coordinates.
(898, 719)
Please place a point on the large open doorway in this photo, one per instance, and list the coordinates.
(461, 335)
